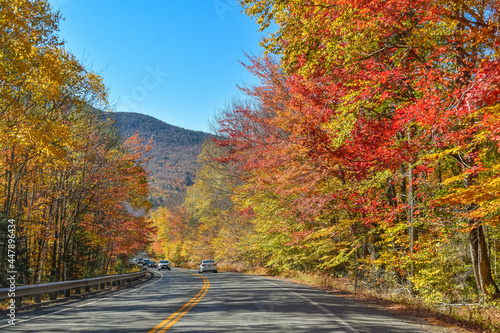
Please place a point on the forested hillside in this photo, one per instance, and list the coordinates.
(173, 156)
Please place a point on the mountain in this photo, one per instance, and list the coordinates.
(174, 154)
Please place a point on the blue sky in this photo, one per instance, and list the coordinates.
(177, 61)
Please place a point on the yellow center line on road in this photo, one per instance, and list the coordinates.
(177, 315)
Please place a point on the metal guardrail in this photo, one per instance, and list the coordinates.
(53, 288)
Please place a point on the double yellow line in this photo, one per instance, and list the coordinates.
(177, 315)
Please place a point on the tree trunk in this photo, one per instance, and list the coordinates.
(411, 212)
(481, 261)
(479, 250)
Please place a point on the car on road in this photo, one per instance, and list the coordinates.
(207, 266)
(163, 264)
(145, 262)
(152, 263)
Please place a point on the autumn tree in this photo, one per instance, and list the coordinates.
(65, 177)
(395, 87)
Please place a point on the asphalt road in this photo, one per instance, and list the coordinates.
(183, 301)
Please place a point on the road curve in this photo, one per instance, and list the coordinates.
(181, 300)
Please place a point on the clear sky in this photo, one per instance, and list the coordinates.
(177, 61)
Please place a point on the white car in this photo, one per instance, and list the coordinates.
(207, 266)
(164, 264)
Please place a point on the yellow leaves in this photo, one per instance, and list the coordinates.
(340, 127)
(483, 197)
(37, 76)
(474, 187)
(34, 65)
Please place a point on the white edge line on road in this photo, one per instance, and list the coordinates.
(348, 327)
(85, 304)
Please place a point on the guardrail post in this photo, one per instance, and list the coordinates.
(87, 289)
(53, 296)
(77, 291)
(67, 293)
(38, 298)
(18, 301)
(102, 286)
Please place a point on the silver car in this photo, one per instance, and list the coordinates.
(207, 266)
(164, 264)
